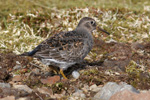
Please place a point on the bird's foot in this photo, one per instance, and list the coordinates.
(62, 73)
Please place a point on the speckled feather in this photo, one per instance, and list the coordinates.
(66, 47)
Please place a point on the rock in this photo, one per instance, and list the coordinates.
(111, 88)
(45, 91)
(75, 74)
(128, 95)
(86, 88)
(94, 88)
(12, 91)
(17, 78)
(8, 98)
(17, 67)
(51, 80)
(23, 87)
(5, 85)
(79, 93)
(7, 91)
(23, 98)
(57, 96)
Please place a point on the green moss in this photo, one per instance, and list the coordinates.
(57, 87)
(21, 71)
(133, 68)
(91, 71)
(136, 76)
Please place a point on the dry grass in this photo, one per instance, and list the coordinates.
(24, 23)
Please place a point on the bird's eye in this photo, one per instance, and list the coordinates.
(92, 22)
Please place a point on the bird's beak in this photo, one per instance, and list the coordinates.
(100, 29)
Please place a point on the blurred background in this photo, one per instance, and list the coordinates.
(25, 23)
(22, 6)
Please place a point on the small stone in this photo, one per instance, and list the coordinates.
(17, 62)
(45, 90)
(23, 87)
(111, 88)
(8, 98)
(85, 88)
(17, 67)
(23, 98)
(74, 98)
(5, 85)
(79, 93)
(51, 80)
(17, 78)
(58, 96)
(95, 88)
(75, 74)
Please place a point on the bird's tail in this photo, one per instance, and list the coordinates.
(31, 53)
(29, 57)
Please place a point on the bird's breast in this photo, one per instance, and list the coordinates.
(90, 41)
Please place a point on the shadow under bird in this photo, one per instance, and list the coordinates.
(67, 48)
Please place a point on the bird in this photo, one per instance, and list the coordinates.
(67, 48)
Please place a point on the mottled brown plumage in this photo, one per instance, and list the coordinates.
(66, 48)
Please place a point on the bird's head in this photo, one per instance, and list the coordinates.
(89, 24)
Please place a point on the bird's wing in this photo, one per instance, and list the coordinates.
(65, 46)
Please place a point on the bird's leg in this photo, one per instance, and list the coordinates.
(62, 73)
(55, 70)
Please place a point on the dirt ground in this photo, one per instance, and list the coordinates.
(120, 62)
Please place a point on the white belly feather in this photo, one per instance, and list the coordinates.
(61, 64)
